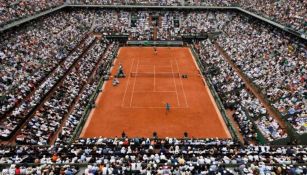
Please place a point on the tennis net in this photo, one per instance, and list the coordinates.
(155, 74)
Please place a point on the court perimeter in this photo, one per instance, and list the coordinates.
(137, 104)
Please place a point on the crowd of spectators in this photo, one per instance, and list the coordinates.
(110, 21)
(170, 25)
(141, 28)
(56, 56)
(31, 58)
(129, 2)
(289, 13)
(175, 24)
(155, 156)
(19, 115)
(40, 169)
(198, 22)
(158, 2)
(13, 10)
(235, 96)
(48, 119)
(37, 56)
(79, 109)
(168, 29)
(272, 61)
(135, 24)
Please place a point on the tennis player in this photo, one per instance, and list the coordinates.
(167, 107)
(155, 50)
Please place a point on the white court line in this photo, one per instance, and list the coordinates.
(137, 66)
(154, 85)
(155, 91)
(145, 65)
(153, 107)
(152, 58)
(127, 84)
(185, 97)
(160, 65)
(175, 84)
(155, 72)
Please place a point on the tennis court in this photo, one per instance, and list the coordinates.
(158, 81)
(137, 105)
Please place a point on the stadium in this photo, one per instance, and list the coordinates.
(153, 87)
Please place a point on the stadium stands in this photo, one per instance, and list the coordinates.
(234, 95)
(273, 62)
(14, 10)
(66, 135)
(157, 2)
(30, 72)
(27, 81)
(289, 13)
(53, 67)
(141, 156)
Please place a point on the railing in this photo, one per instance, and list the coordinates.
(215, 96)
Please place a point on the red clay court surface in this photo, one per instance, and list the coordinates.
(137, 104)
